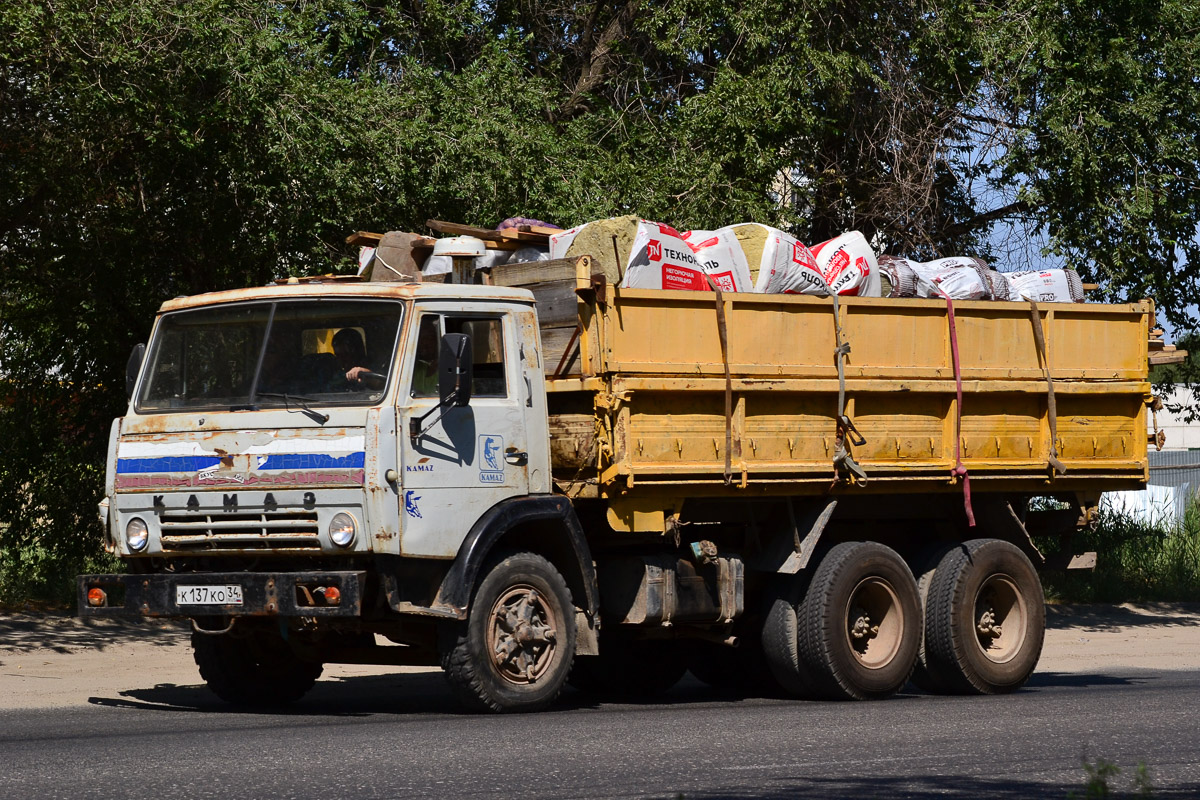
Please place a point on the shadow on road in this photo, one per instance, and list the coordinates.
(398, 693)
(907, 787)
(66, 633)
(428, 693)
(1107, 617)
(1079, 680)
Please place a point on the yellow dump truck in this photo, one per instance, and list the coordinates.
(552, 479)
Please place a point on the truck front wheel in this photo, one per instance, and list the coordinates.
(516, 648)
(985, 619)
(256, 669)
(859, 624)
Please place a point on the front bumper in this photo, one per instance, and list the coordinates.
(264, 594)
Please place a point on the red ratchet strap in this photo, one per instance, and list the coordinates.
(960, 469)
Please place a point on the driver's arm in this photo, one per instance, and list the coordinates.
(365, 376)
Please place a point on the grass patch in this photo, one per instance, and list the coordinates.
(1135, 562)
(35, 577)
(1101, 777)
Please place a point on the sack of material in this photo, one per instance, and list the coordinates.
(638, 254)
(896, 277)
(721, 258)
(608, 241)
(1001, 289)
(956, 277)
(662, 260)
(393, 259)
(527, 254)
(1046, 286)
(847, 263)
(777, 263)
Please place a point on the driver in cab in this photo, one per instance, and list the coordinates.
(351, 355)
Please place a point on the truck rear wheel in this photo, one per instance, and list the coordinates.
(859, 625)
(253, 670)
(986, 619)
(926, 565)
(516, 648)
(779, 637)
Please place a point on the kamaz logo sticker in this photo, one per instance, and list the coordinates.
(410, 504)
(491, 464)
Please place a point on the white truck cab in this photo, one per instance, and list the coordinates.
(334, 450)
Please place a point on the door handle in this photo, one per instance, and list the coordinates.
(517, 459)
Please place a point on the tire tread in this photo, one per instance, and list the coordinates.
(461, 663)
(947, 661)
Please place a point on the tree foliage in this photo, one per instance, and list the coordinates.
(157, 147)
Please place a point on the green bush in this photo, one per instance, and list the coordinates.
(1135, 561)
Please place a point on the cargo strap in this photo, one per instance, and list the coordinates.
(723, 333)
(843, 461)
(1039, 338)
(960, 469)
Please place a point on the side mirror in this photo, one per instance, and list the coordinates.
(455, 369)
(132, 367)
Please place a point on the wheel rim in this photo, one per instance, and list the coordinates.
(522, 635)
(1000, 618)
(874, 623)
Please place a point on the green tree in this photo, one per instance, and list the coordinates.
(150, 148)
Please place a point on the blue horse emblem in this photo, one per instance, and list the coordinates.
(491, 452)
(410, 504)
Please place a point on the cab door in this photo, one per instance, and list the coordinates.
(465, 459)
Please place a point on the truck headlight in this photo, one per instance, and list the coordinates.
(341, 529)
(137, 534)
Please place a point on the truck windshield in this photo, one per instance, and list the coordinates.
(255, 355)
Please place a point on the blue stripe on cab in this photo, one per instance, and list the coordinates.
(285, 461)
(314, 461)
(166, 464)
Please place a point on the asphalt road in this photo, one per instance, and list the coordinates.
(402, 736)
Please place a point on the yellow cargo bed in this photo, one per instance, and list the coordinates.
(638, 408)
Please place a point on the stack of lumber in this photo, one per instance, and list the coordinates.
(552, 282)
(507, 239)
(1162, 353)
(403, 254)
(553, 286)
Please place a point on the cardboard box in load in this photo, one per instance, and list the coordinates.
(393, 259)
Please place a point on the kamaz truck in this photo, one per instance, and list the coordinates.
(575, 482)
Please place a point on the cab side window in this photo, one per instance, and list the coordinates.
(425, 374)
(487, 343)
(487, 346)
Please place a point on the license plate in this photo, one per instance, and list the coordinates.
(229, 595)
